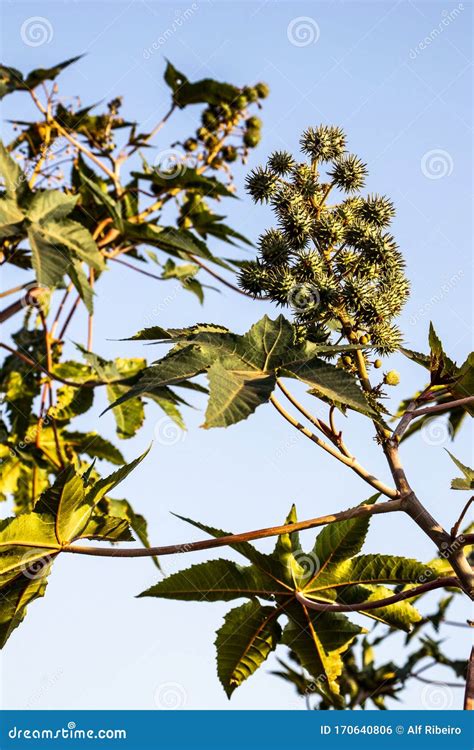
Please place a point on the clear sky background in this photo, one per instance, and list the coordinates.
(406, 106)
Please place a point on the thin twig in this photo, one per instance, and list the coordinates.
(321, 606)
(455, 529)
(230, 539)
(351, 462)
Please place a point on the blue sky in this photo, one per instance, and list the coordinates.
(397, 76)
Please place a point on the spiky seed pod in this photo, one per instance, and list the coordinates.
(349, 173)
(279, 283)
(346, 262)
(328, 231)
(323, 143)
(261, 184)
(273, 247)
(296, 223)
(308, 266)
(252, 137)
(262, 90)
(280, 162)
(305, 181)
(377, 210)
(386, 338)
(347, 210)
(252, 278)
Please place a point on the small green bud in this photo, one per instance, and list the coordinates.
(347, 360)
(252, 137)
(378, 364)
(262, 90)
(241, 102)
(391, 378)
(251, 93)
(254, 122)
(190, 144)
(364, 339)
(209, 120)
(229, 153)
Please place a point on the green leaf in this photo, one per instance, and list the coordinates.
(73, 512)
(401, 615)
(233, 396)
(247, 637)
(25, 540)
(319, 640)
(13, 177)
(82, 284)
(206, 90)
(123, 510)
(333, 384)
(49, 261)
(15, 598)
(72, 236)
(39, 75)
(212, 581)
(107, 529)
(462, 483)
(342, 540)
(11, 217)
(93, 445)
(50, 205)
(371, 569)
(103, 486)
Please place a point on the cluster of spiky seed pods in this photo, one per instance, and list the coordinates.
(335, 265)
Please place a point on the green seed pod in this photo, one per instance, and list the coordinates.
(241, 102)
(273, 247)
(377, 210)
(281, 162)
(251, 93)
(229, 153)
(252, 137)
(190, 144)
(262, 90)
(252, 278)
(323, 143)
(391, 378)
(209, 120)
(261, 184)
(254, 122)
(349, 173)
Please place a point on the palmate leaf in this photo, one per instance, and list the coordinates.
(30, 542)
(330, 573)
(206, 90)
(245, 640)
(242, 370)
